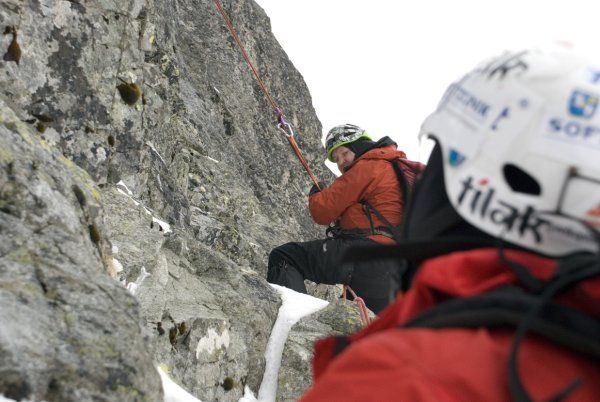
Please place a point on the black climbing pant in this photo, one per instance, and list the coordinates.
(320, 261)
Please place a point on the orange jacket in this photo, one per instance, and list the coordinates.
(384, 362)
(372, 178)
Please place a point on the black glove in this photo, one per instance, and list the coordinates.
(315, 189)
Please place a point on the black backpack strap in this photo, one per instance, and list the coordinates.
(368, 208)
(507, 307)
(404, 186)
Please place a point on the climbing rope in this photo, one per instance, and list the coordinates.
(286, 129)
(364, 314)
(283, 126)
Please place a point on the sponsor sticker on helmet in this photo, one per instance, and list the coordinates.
(455, 158)
(468, 103)
(583, 104)
(571, 135)
(479, 198)
(481, 203)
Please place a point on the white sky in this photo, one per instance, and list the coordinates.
(384, 64)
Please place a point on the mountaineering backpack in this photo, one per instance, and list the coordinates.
(407, 172)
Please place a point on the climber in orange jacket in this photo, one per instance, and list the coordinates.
(502, 242)
(364, 205)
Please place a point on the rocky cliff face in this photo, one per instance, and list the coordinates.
(134, 139)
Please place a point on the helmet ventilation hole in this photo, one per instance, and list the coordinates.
(520, 181)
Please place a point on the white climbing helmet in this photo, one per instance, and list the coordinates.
(520, 137)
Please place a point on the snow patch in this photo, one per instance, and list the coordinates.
(151, 145)
(165, 226)
(211, 159)
(5, 399)
(173, 392)
(128, 196)
(122, 184)
(118, 265)
(294, 306)
(212, 342)
(133, 286)
(248, 396)
(126, 192)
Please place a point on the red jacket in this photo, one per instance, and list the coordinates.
(372, 178)
(387, 363)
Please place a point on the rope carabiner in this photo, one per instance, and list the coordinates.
(286, 129)
(282, 125)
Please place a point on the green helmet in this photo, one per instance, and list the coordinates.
(342, 135)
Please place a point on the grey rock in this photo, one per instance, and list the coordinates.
(69, 332)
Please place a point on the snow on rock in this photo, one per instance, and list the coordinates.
(153, 148)
(118, 266)
(295, 306)
(211, 159)
(165, 226)
(173, 392)
(123, 189)
(248, 395)
(5, 399)
(133, 286)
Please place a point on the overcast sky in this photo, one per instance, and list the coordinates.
(384, 64)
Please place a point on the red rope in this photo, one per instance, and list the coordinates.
(245, 54)
(294, 145)
(364, 314)
(276, 109)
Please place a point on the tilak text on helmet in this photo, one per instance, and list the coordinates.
(478, 197)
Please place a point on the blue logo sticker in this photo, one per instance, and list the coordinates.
(455, 157)
(595, 76)
(583, 104)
